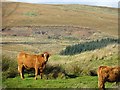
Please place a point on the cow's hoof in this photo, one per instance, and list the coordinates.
(35, 78)
(22, 78)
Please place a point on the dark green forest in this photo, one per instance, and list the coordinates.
(88, 46)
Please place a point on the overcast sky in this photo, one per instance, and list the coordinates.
(108, 3)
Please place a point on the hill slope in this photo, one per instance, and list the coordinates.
(23, 14)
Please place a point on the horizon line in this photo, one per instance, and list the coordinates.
(81, 3)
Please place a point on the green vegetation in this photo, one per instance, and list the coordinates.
(9, 67)
(70, 38)
(78, 82)
(61, 72)
(77, 65)
(31, 14)
(88, 46)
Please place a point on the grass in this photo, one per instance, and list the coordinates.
(78, 82)
(32, 14)
(73, 65)
(9, 67)
(77, 65)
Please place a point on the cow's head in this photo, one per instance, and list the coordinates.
(46, 55)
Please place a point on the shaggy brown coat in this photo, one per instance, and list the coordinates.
(108, 74)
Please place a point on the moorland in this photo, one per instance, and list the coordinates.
(79, 38)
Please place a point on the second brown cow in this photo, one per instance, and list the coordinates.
(28, 61)
(108, 74)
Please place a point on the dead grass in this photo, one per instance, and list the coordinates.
(103, 19)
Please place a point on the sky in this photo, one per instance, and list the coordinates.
(107, 3)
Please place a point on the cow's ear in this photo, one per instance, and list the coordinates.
(42, 55)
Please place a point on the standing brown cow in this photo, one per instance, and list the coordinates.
(108, 74)
(28, 61)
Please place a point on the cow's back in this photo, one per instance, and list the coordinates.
(26, 59)
(20, 57)
(102, 70)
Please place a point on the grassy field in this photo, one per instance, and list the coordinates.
(80, 70)
(78, 82)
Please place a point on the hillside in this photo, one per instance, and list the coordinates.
(23, 14)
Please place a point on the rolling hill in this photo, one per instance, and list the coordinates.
(23, 14)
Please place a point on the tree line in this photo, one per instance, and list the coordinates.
(88, 46)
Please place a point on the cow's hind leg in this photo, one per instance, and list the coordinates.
(20, 70)
(118, 84)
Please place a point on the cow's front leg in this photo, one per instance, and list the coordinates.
(36, 73)
(41, 72)
(101, 84)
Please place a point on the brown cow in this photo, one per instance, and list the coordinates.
(38, 62)
(108, 74)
